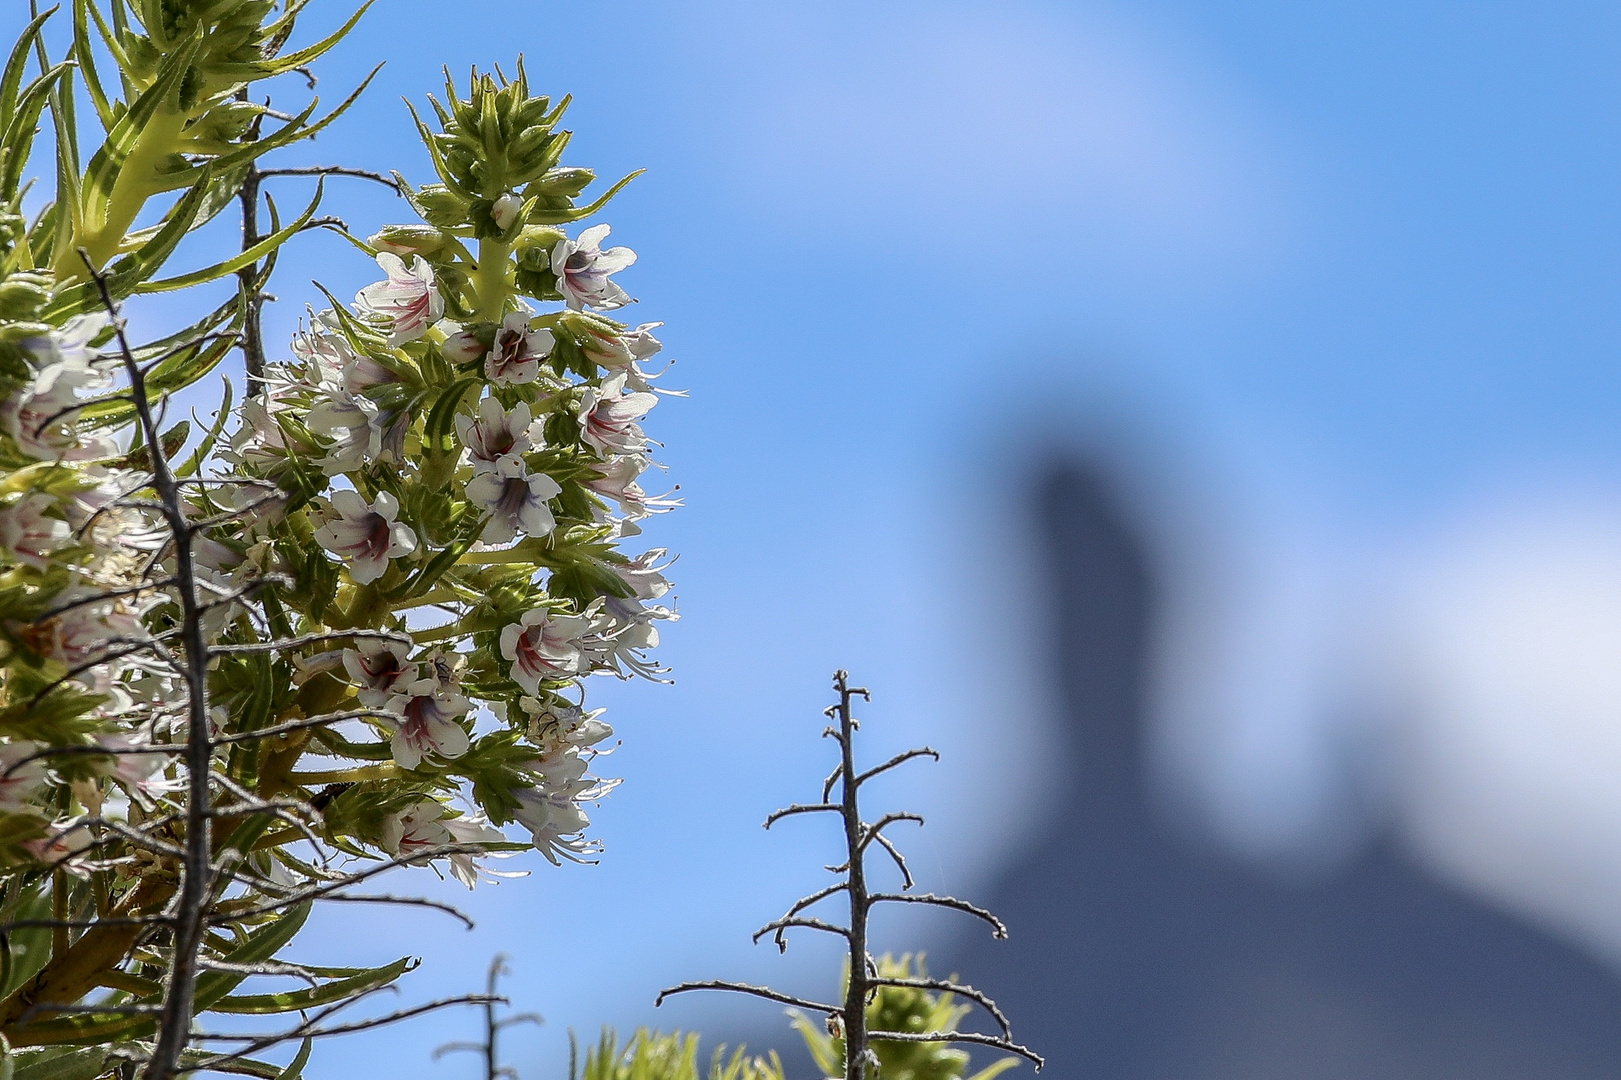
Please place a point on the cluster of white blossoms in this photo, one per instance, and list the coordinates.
(410, 554)
(76, 560)
(469, 483)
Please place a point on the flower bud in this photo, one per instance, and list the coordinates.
(567, 182)
(441, 206)
(224, 122)
(408, 239)
(505, 211)
(463, 347)
(22, 297)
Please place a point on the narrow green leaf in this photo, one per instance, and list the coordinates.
(261, 944)
(206, 447)
(85, 55)
(284, 64)
(238, 261)
(295, 1067)
(11, 79)
(261, 1070)
(438, 158)
(438, 566)
(315, 996)
(442, 417)
(561, 217)
(61, 1064)
(19, 131)
(110, 39)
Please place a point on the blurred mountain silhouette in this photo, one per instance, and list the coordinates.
(1136, 954)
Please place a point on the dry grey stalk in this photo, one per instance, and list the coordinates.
(493, 1026)
(849, 1018)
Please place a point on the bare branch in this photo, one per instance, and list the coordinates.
(900, 860)
(898, 759)
(316, 892)
(781, 925)
(978, 997)
(816, 897)
(999, 930)
(259, 1041)
(801, 808)
(127, 647)
(872, 831)
(744, 988)
(832, 778)
(335, 170)
(103, 597)
(85, 924)
(298, 725)
(958, 1036)
(415, 901)
(196, 880)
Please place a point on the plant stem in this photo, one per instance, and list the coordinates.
(196, 879)
(105, 226)
(855, 995)
(491, 281)
(252, 340)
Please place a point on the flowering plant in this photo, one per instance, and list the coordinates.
(344, 627)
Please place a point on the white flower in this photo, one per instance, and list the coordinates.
(497, 433)
(306, 668)
(324, 355)
(359, 428)
(543, 646)
(408, 299)
(427, 723)
(41, 416)
(366, 534)
(582, 270)
(415, 829)
(514, 498)
(555, 820)
(558, 729)
(473, 829)
(62, 846)
(443, 667)
(620, 642)
(423, 827)
(19, 777)
(505, 211)
(87, 628)
(608, 416)
(622, 351)
(461, 347)
(379, 670)
(260, 440)
(616, 479)
(352, 422)
(28, 533)
(516, 355)
(644, 574)
(71, 344)
(137, 772)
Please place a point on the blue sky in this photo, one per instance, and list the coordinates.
(1353, 263)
